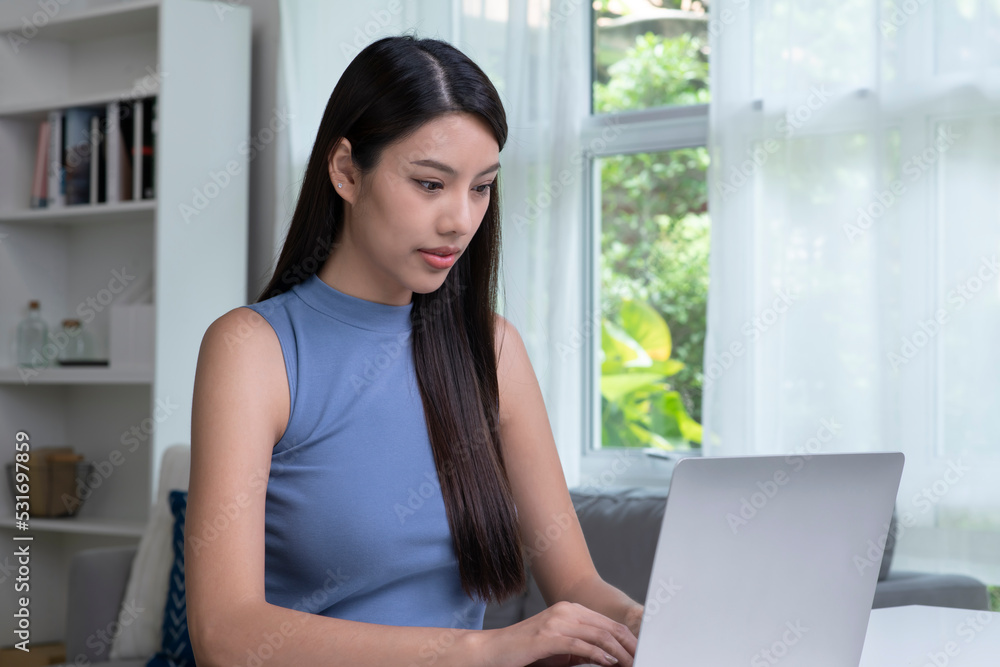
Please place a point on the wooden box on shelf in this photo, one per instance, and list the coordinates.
(53, 478)
(39, 655)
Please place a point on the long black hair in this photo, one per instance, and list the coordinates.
(390, 89)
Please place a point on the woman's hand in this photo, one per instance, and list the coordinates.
(565, 634)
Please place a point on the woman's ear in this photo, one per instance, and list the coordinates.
(343, 175)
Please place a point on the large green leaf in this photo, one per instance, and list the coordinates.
(647, 328)
(615, 387)
(672, 406)
(668, 367)
(619, 348)
(639, 409)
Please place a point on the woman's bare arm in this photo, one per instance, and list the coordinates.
(240, 409)
(557, 552)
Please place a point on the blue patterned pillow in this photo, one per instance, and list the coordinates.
(176, 650)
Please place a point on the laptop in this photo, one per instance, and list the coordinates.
(768, 560)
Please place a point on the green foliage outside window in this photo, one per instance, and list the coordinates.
(638, 406)
(657, 71)
(654, 253)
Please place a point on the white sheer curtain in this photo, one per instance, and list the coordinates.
(855, 297)
(532, 53)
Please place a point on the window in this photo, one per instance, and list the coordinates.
(645, 139)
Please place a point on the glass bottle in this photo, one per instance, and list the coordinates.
(32, 334)
(74, 341)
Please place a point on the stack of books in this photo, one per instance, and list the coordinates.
(96, 154)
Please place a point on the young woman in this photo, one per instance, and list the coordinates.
(371, 458)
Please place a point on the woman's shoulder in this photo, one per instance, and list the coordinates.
(241, 355)
(243, 330)
(255, 326)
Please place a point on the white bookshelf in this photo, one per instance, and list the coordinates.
(97, 526)
(83, 375)
(133, 212)
(198, 66)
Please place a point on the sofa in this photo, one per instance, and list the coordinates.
(610, 517)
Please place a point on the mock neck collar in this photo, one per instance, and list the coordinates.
(353, 310)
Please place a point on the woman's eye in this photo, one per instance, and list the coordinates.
(427, 185)
(483, 189)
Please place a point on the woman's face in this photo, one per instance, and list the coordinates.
(418, 211)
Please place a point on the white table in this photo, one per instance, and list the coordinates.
(918, 636)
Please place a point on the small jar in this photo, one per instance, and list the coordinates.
(32, 336)
(74, 341)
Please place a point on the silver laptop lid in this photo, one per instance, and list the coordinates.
(767, 560)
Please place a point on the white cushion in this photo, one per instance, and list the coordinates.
(149, 578)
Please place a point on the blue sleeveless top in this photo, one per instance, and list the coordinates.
(355, 524)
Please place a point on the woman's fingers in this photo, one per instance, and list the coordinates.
(564, 635)
(608, 641)
(590, 634)
(620, 635)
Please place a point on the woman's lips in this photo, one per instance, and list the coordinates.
(438, 261)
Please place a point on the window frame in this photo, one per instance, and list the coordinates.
(605, 135)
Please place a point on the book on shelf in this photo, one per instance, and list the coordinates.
(117, 152)
(81, 156)
(98, 162)
(96, 154)
(57, 175)
(39, 184)
(148, 147)
(143, 142)
(137, 123)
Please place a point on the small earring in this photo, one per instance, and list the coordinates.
(340, 185)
